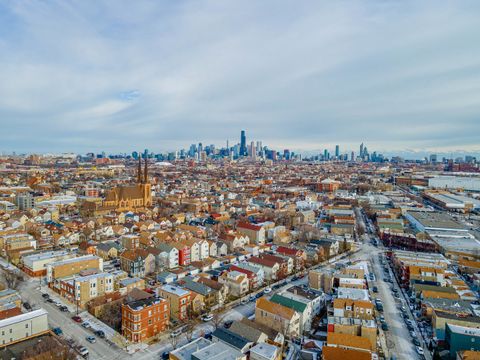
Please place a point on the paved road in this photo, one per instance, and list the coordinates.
(100, 350)
(398, 332)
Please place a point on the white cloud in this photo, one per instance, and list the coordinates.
(308, 74)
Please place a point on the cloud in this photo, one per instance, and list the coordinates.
(116, 76)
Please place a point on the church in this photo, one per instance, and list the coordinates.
(131, 197)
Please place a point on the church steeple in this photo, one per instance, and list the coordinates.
(139, 171)
(145, 171)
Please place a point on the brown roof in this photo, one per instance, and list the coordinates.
(261, 261)
(274, 308)
(210, 283)
(350, 341)
(335, 353)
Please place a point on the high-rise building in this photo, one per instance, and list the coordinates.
(25, 201)
(253, 151)
(361, 150)
(433, 158)
(259, 147)
(337, 151)
(243, 144)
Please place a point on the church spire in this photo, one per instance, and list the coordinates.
(145, 172)
(139, 171)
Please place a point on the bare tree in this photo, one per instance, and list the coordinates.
(173, 339)
(48, 348)
(111, 315)
(12, 279)
(189, 330)
(217, 318)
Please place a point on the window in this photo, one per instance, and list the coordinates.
(26, 326)
(10, 331)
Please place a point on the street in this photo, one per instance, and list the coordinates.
(397, 339)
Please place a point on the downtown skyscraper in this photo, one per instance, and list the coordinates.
(243, 144)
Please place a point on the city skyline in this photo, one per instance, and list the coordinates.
(396, 75)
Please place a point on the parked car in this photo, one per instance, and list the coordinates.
(375, 289)
(77, 319)
(176, 333)
(100, 334)
(86, 324)
(165, 355)
(208, 336)
(207, 317)
(267, 290)
(244, 301)
(45, 296)
(384, 326)
(91, 339)
(27, 306)
(416, 342)
(420, 350)
(57, 331)
(83, 351)
(413, 334)
(63, 308)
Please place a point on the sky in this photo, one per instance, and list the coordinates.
(92, 75)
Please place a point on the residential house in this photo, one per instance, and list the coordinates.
(278, 317)
(169, 256)
(270, 267)
(255, 274)
(108, 250)
(255, 233)
(179, 299)
(133, 263)
(237, 282)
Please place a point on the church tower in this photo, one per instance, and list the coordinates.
(139, 170)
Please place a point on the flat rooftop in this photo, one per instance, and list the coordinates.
(436, 220)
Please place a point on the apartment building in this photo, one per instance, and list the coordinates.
(23, 326)
(179, 300)
(169, 257)
(135, 263)
(145, 318)
(130, 241)
(277, 317)
(270, 267)
(17, 241)
(255, 233)
(237, 282)
(321, 280)
(308, 303)
(84, 288)
(36, 264)
(183, 253)
(255, 274)
(69, 267)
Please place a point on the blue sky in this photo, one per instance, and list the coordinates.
(122, 75)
